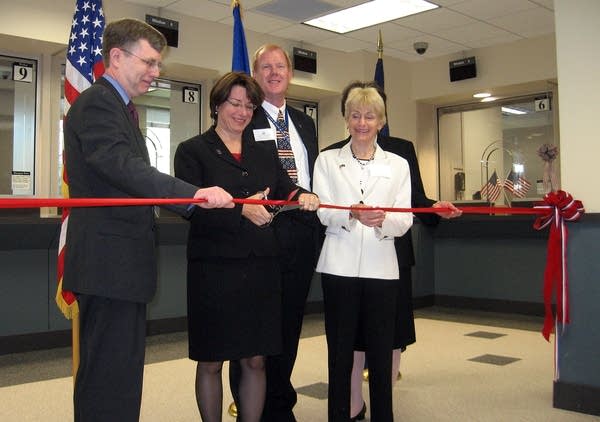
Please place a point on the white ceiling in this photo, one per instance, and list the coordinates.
(457, 26)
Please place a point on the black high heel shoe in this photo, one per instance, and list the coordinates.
(360, 415)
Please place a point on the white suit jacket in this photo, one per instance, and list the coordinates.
(350, 248)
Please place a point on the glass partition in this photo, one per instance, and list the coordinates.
(488, 152)
(18, 82)
(169, 114)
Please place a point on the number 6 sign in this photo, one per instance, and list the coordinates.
(22, 72)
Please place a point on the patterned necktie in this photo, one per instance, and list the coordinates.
(284, 148)
(134, 114)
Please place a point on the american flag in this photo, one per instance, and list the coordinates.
(517, 184)
(84, 53)
(491, 190)
(84, 66)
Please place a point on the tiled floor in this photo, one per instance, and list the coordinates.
(465, 366)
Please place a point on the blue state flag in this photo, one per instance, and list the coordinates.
(239, 59)
(379, 80)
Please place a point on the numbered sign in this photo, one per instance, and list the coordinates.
(542, 105)
(191, 95)
(23, 72)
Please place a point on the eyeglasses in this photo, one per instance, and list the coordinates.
(151, 63)
(238, 104)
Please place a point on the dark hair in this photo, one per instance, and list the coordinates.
(125, 32)
(222, 88)
(361, 84)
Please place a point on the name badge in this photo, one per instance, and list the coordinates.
(380, 170)
(268, 134)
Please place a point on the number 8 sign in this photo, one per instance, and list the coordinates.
(22, 72)
(190, 95)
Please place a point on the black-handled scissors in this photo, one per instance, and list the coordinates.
(277, 209)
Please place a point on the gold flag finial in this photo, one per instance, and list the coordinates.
(380, 45)
(236, 3)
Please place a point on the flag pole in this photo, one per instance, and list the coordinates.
(379, 79)
(75, 345)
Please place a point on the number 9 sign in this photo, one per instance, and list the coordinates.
(22, 72)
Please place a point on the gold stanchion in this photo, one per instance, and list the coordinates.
(75, 344)
(232, 410)
(366, 375)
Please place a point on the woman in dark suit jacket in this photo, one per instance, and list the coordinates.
(233, 271)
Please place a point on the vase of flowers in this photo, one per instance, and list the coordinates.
(548, 153)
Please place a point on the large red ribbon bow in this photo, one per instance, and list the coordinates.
(563, 208)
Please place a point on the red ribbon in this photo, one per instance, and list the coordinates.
(562, 208)
(112, 202)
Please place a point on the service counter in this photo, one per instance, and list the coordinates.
(484, 262)
(29, 317)
(487, 262)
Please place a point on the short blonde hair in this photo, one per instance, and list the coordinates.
(266, 48)
(365, 97)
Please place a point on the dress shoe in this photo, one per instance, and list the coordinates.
(360, 415)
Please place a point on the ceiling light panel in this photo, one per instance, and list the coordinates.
(512, 110)
(369, 14)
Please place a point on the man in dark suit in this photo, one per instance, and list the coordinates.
(405, 325)
(111, 256)
(297, 232)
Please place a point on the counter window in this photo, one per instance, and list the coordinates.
(18, 86)
(489, 153)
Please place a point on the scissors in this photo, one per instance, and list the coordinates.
(277, 209)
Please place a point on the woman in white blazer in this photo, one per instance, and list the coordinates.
(358, 260)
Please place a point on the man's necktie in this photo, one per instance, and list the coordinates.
(136, 118)
(284, 148)
(134, 113)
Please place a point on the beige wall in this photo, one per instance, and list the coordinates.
(578, 62)
(414, 89)
(516, 68)
(504, 65)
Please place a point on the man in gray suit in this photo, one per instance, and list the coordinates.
(110, 261)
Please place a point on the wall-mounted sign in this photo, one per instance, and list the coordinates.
(23, 72)
(191, 94)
